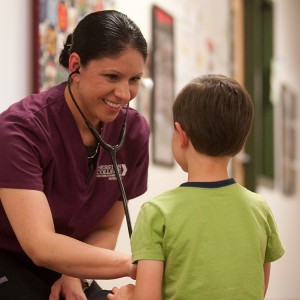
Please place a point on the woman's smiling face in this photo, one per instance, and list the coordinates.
(105, 85)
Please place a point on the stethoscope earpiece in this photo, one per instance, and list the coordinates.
(74, 72)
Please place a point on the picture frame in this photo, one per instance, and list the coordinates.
(289, 138)
(53, 21)
(162, 70)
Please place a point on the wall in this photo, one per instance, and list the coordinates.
(285, 276)
(195, 22)
(15, 51)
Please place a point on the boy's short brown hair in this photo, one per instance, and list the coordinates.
(216, 112)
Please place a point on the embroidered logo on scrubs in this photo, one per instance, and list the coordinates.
(107, 171)
(3, 279)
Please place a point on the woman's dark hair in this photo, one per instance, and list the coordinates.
(216, 113)
(103, 34)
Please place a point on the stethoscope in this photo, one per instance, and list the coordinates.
(111, 149)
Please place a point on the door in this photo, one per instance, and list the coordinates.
(258, 28)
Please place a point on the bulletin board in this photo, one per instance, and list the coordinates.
(53, 21)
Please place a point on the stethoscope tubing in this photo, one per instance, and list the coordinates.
(110, 148)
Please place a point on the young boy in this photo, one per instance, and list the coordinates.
(210, 238)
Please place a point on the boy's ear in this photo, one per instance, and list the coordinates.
(182, 135)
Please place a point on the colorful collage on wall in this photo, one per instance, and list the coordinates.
(53, 21)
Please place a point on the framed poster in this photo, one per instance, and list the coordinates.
(289, 139)
(53, 21)
(162, 63)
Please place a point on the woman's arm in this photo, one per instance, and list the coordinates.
(106, 234)
(29, 214)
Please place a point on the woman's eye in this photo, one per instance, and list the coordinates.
(135, 79)
(111, 76)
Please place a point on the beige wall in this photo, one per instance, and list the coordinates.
(285, 277)
(15, 51)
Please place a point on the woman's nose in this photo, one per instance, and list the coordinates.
(122, 91)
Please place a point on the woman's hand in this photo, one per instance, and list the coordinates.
(123, 293)
(68, 287)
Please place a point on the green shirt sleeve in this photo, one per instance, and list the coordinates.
(274, 249)
(147, 237)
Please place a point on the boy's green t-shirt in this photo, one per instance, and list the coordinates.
(213, 241)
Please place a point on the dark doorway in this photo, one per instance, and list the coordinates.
(258, 60)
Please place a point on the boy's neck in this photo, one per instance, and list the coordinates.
(208, 169)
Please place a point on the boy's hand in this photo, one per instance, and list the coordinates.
(123, 293)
